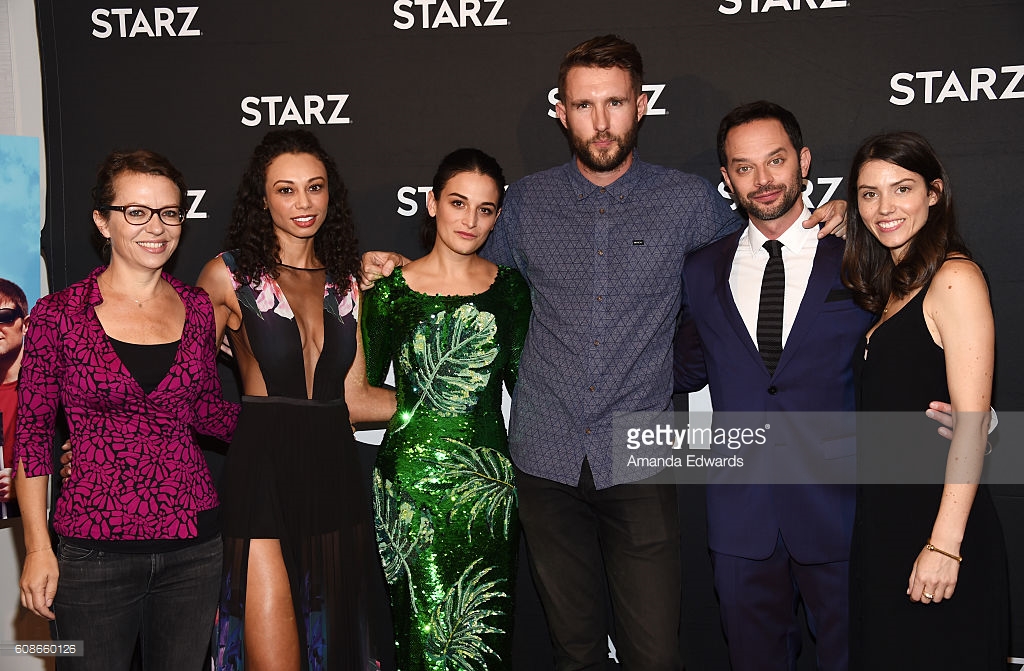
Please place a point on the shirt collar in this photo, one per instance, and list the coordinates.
(621, 187)
(795, 237)
(94, 296)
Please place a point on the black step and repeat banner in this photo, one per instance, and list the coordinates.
(390, 86)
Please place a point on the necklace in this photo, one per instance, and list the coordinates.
(138, 302)
(285, 265)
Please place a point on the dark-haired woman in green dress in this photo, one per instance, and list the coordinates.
(453, 324)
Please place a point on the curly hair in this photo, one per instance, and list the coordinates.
(868, 267)
(251, 232)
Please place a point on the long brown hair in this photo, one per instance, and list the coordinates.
(868, 267)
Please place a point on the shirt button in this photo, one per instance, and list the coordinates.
(592, 388)
(597, 342)
(601, 210)
(772, 390)
(600, 252)
(586, 431)
(602, 189)
(600, 298)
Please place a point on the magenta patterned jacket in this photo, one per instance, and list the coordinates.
(138, 472)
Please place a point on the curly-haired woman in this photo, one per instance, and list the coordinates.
(300, 555)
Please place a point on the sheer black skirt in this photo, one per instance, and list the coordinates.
(292, 474)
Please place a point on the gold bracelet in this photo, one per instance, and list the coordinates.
(48, 547)
(931, 547)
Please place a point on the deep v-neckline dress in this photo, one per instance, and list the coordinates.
(292, 474)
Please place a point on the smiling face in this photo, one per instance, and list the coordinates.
(893, 203)
(296, 194)
(765, 173)
(465, 212)
(150, 245)
(602, 113)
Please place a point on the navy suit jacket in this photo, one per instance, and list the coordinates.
(713, 347)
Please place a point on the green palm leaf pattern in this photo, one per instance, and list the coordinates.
(457, 623)
(445, 358)
(482, 479)
(398, 538)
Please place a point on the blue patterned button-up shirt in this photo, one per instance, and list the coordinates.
(604, 265)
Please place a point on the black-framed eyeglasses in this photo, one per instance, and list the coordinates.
(139, 215)
(10, 315)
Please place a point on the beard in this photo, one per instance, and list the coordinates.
(609, 159)
(790, 195)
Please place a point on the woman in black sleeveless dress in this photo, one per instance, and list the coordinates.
(303, 586)
(928, 566)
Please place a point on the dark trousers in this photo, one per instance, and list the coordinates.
(587, 545)
(166, 601)
(759, 599)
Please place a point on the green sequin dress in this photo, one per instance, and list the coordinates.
(447, 525)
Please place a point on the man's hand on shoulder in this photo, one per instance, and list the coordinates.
(833, 214)
(376, 265)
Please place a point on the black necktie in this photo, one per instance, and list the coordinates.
(769, 315)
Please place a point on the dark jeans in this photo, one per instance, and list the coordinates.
(587, 545)
(166, 601)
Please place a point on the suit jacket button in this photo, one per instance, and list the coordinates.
(773, 390)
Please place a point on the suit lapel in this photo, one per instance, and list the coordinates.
(827, 258)
(723, 268)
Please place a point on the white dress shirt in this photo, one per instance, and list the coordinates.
(799, 245)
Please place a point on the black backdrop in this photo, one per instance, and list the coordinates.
(390, 87)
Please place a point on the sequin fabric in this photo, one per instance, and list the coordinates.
(447, 525)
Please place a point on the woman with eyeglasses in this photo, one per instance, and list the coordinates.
(129, 353)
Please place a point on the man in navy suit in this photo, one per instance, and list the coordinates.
(773, 545)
